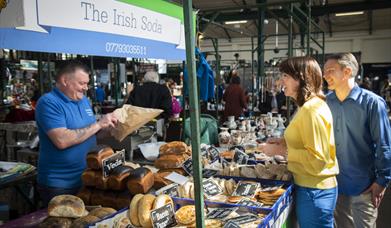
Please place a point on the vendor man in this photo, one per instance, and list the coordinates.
(67, 128)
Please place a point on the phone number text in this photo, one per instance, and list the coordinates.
(126, 48)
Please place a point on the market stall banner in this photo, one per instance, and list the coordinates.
(93, 27)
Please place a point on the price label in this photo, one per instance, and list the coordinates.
(163, 217)
(209, 173)
(211, 188)
(231, 224)
(240, 157)
(220, 213)
(243, 219)
(112, 162)
(246, 189)
(171, 190)
(188, 166)
(214, 154)
(249, 203)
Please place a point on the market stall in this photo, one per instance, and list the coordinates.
(181, 176)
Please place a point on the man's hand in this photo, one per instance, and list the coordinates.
(108, 120)
(377, 193)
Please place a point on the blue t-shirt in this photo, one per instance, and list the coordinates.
(363, 140)
(62, 168)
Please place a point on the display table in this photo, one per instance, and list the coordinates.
(15, 182)
(30, 220)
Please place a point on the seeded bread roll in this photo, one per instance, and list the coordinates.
(140, 180)
(117, 179)
(96, 156)
(67, 206)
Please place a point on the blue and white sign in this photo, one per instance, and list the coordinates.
(92, 27)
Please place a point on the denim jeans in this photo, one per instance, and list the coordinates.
(315, 207)
(47, 193)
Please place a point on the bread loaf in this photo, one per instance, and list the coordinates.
(109, 199)
(170, 161)
(145, 205)
(97, 197)
(102, 212)
(140, 180)
(122, 200)
(100, 181)
(133, 209)
(89, 177)
(175, 148)
(84, 221)
(85, 195)
(67, 206)
(51, 222)
(96, 156)
(117, 179)
(177, 170)
(160, 181)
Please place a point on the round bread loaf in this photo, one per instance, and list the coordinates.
(162, 200)
(67, 206)
(133, 210)
(50, 222)
(145, 205)
(174, 147)
(102, 212)
(84, 221)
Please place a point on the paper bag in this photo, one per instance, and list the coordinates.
(130, 118)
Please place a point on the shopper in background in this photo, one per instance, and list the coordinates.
(151, 94)
(234, 98)
(309, 139)
(67, 128)
(100, 94)
(363, 140)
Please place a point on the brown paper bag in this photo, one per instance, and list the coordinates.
(130, 118)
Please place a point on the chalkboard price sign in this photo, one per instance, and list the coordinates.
(112, 162)
(214, 154)
(246, 189)
(209, 173)
(163, 217)
(211, 188)
(249, 203)
(220, 213)
(231, 224)
(243, 219)
(240, 157)
(171, 190)
(188, 166)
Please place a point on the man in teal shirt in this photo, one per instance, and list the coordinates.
(363, 143)
(67, 128)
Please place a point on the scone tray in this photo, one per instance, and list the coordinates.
(272, 213)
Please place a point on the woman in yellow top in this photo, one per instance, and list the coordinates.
(309, 139)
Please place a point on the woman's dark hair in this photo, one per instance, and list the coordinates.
(235, 80)
(307, 71)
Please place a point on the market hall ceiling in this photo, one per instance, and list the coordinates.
(214, 14)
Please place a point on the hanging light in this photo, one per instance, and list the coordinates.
(349, 13)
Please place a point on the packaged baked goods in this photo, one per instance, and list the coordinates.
(67, 206)
(140, 180)
(130, 118)
(96, 156)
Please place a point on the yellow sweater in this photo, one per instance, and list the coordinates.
(311, 147)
